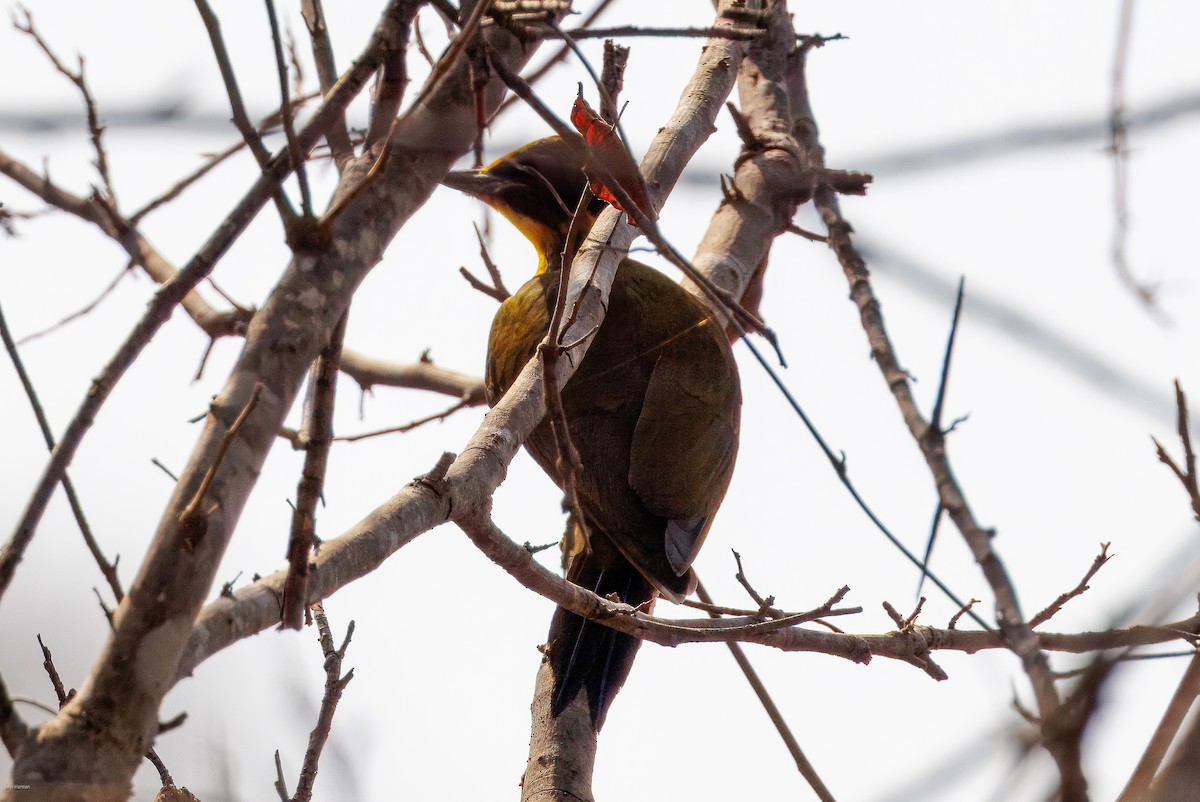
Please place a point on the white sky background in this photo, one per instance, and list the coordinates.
(1063, 372)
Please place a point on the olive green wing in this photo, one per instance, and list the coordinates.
(686, 439)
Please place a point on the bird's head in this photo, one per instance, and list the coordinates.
(537, 187)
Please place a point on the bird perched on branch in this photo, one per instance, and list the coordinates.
(653, 412)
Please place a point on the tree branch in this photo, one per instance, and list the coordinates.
(316, 435)
(338, 136)
(123, 692)
(1018, 633)
(182, 283)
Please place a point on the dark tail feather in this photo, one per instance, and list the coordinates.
(589, 656)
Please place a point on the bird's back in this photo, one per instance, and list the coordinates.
(653, 411)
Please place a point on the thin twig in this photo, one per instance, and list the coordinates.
(40, 705)
(338, 135)
(95, 128)
(335, 684)
(1187, 474)
(629, 31)
(155, 461)
(289, 126)
(280, 782)
(408, 427)
(420, 40)
(929, 541)
(316, 433)
(1119, 147)
(811, 236)
(773, 712)
(1056, 605)
(164, 776)
(935, 417)
(83, 312)
(962, 611)
(294, 67)
(60, 691)
(497, 289)
(935, 421)
(175, 290)
(237, 107)
(191, 519)
(568, 463)
(213, 160)
(559, 55)
(13, 551)
(763, 604)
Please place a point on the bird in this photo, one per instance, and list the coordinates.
(653, 410)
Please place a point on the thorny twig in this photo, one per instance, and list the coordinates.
(237, 107)
(64, 696)
(408, 427)
(1056, 605)
(289, 126)
(212, 160)
(536, 75)
(338, 137)
(175, 291)
(496, 289)
(316, 435)
(335, 684)
(1187, 474)
(191, 519)
(95, 128)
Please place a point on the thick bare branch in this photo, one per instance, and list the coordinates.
(184, 282)
(153, 622)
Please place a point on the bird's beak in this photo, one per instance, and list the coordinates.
(476, 183)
